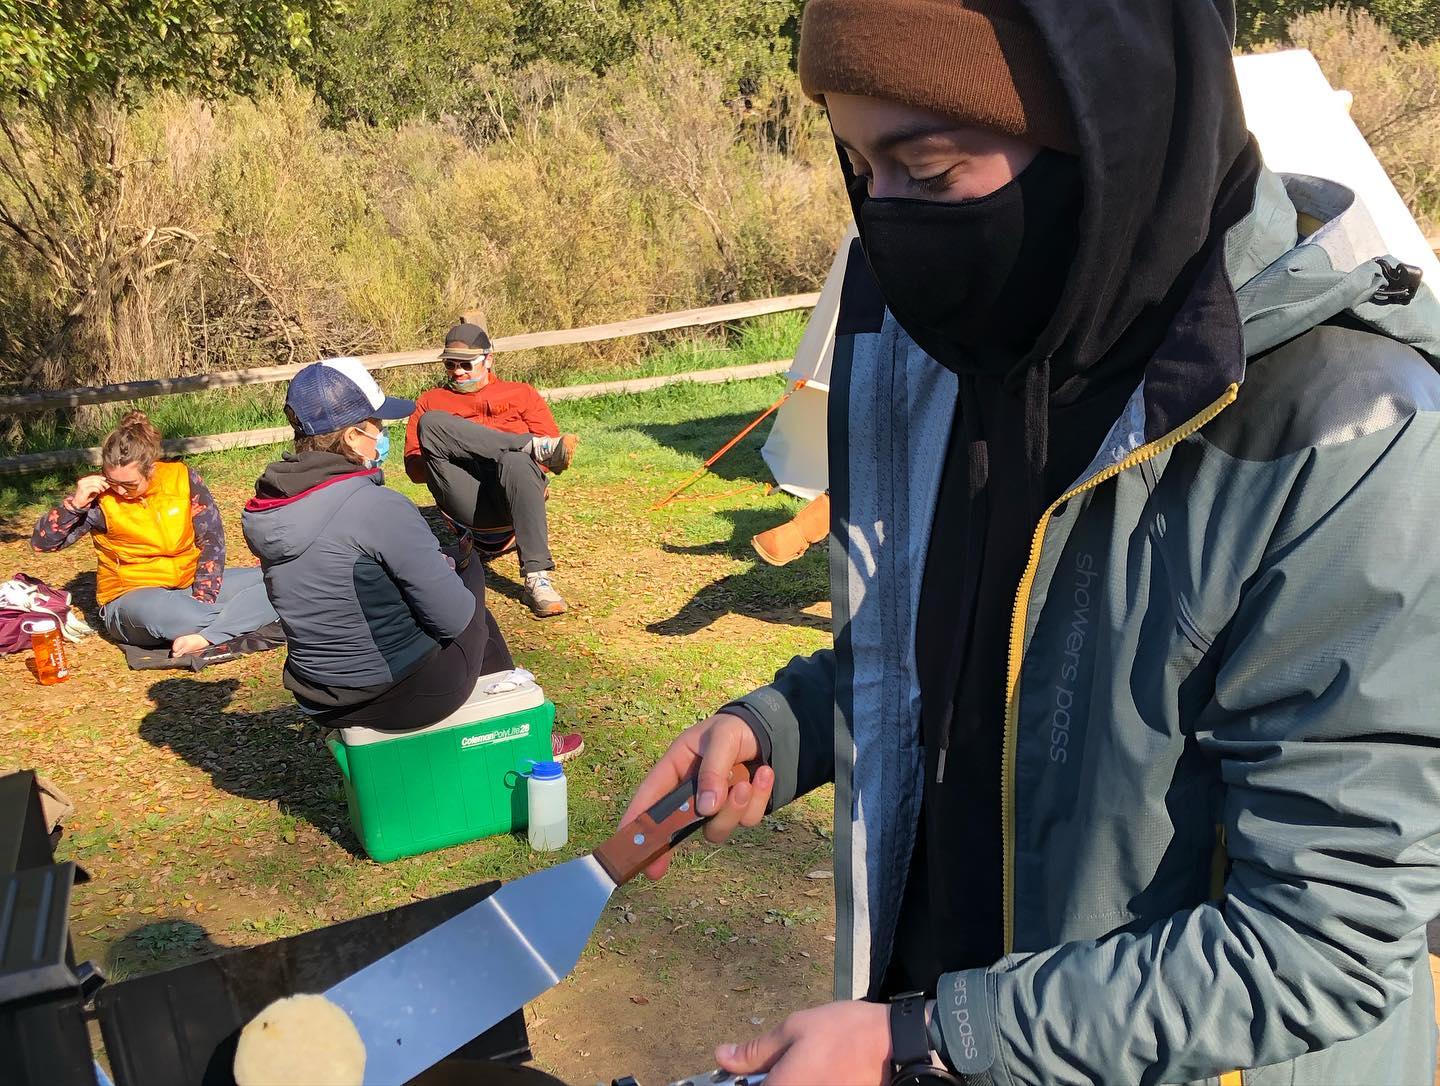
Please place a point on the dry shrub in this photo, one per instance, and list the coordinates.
(1396, 91)
(757, 215)
(247, 233)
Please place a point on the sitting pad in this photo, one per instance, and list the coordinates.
(490, 543)
(267, 637)
(156, 659)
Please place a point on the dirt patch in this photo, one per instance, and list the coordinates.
(210, 815)
(671, 975)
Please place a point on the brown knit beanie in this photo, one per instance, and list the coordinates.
(980, 61)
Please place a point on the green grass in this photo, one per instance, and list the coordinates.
(219, 411)
(638, 661)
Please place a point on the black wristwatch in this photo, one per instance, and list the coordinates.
(910, 1045)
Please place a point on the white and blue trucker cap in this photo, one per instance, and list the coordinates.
(334, 393)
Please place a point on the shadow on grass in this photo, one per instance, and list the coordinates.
(19, 494)
(275, 754)
(82, 597)
(778, 594)
(702, 438)
(160, 944)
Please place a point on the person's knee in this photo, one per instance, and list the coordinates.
(138, 618)
(428, 425)
(434, 428)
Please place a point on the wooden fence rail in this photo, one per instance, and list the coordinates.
(24, 403)
(44, 461)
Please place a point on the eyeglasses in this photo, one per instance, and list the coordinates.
(128, 488)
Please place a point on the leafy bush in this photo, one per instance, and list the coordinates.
(72, 49)
(385, 61)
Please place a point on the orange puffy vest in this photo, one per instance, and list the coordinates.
(148, 542)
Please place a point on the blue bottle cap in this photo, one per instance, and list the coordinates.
(547, 771)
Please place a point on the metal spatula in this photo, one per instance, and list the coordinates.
(419, 1003)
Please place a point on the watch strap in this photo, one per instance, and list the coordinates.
(909, 1039)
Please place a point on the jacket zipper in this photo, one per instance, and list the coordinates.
(1017, 638)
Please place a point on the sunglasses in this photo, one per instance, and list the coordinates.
(129, 488)
(467, 364)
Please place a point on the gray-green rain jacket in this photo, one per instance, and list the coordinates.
(1222, 737)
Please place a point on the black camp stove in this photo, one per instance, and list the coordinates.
(180, 1027)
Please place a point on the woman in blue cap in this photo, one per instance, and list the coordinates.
(383, 632)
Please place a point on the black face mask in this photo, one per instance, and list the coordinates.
(975, 283)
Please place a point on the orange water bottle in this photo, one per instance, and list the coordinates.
(51, 667)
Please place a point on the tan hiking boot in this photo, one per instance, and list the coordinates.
(554, 453)
(787, 542)
(540, 596)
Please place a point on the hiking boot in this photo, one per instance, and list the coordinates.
(564, 747)
(269, 636)
(540, 596)
(554, 453)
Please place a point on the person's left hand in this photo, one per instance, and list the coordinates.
(840, 1044)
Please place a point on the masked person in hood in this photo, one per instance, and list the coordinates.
(382, 631)
(1132, 708)
(484, 447)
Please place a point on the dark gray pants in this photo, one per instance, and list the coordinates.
(154, 617)
(483, 478)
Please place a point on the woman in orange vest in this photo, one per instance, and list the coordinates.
(160, 578)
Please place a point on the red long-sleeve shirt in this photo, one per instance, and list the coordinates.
(513, 407)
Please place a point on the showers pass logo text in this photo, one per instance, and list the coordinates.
(1075, 638)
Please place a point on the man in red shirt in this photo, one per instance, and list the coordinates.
(483, 447)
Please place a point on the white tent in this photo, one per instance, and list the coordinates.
(795, 449)
(1303, 126)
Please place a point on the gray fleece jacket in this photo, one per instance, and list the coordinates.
(355, 575)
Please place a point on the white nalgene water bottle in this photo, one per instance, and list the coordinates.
(549, 818)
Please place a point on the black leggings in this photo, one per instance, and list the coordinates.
(444, 681)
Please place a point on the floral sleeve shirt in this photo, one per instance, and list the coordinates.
(61, 526)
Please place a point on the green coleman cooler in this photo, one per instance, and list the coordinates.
(457, 780)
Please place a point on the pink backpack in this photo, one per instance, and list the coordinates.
(24, 597)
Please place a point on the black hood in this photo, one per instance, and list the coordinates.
(1165, 165)
(295, 473)
(296, 498)
(1160, 125)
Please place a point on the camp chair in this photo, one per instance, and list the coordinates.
(490, 543)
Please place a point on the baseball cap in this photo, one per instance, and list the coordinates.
(465, 342)
(334, 393)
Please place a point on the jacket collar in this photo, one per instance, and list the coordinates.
(1264, 286)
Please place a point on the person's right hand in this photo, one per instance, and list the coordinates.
(87, 489)
(714, 745)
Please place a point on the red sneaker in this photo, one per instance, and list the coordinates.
(564, 747)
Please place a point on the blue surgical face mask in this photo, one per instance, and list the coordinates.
(382, 450)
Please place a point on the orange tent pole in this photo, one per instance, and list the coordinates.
(796, 387)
